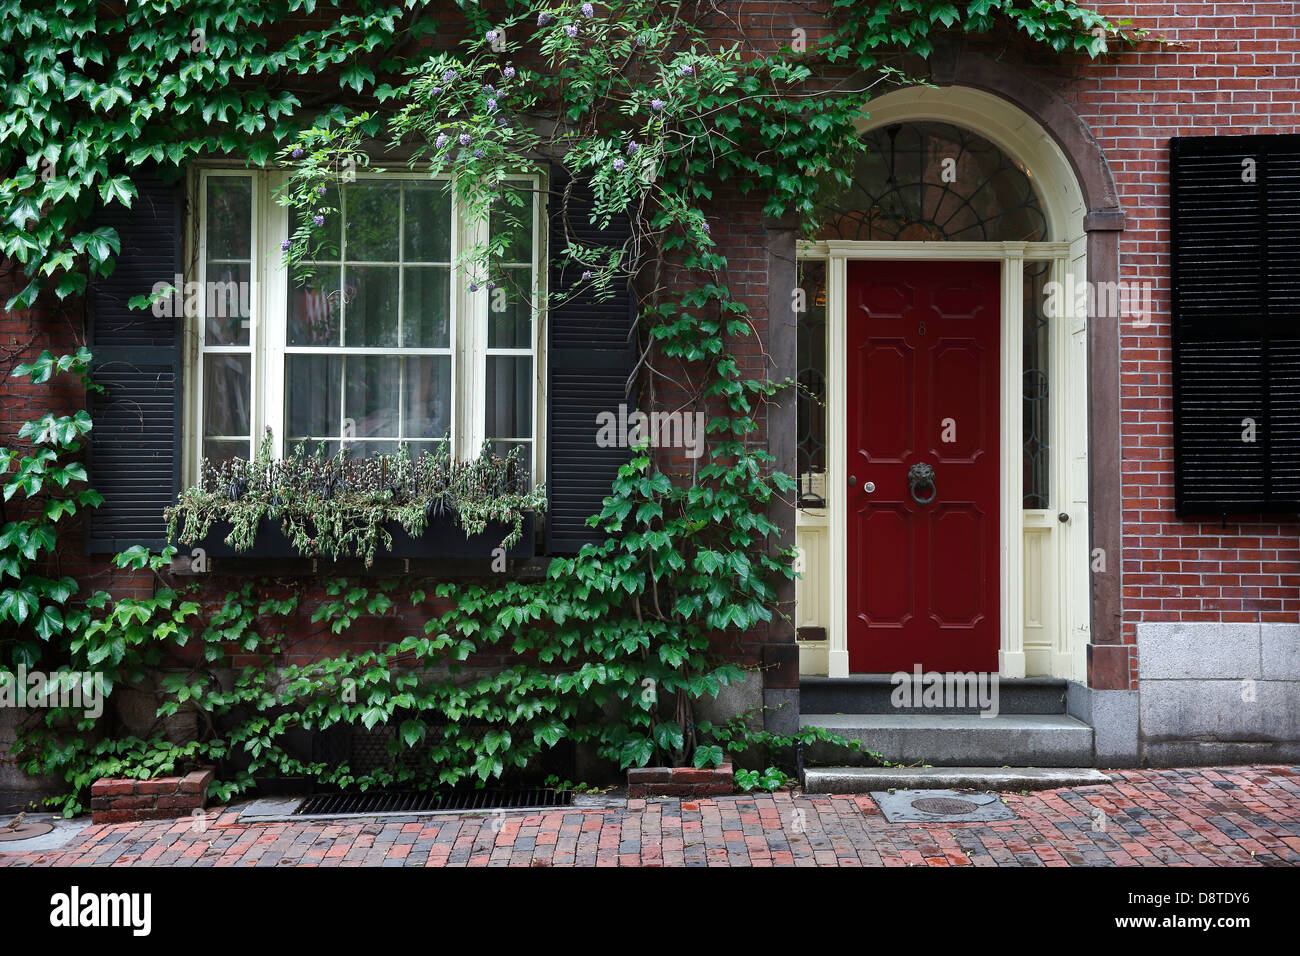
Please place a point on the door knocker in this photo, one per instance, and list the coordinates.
(920, 477)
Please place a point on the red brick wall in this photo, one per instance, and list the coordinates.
(1232, 68)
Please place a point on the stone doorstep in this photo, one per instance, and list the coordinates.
(1000, 779)
(681, 781)
(126, 799)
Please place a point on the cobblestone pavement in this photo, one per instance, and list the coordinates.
(1230, 816)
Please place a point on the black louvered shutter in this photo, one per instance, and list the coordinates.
(135, 448)
(589, 359)
(1235, 245)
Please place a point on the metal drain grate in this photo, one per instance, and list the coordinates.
(377, 802)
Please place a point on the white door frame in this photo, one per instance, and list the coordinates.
(1067, 418)
(1049, 595)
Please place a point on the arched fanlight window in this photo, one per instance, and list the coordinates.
(933, 181)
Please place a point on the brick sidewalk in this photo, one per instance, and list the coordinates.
(1239, 816)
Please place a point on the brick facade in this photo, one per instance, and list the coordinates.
(1229, 68)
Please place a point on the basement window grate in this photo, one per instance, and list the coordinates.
(376, 802)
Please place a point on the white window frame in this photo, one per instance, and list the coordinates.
(268, 346)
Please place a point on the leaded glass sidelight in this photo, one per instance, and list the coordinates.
(810, 309)
(1035, 386)
(929, 181)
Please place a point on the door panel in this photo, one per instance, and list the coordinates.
(923, 366)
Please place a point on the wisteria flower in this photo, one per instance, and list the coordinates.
(441, 141)
(437, 91)
(285, 245)
(473, 287)
(465, 139)
(320, 190)
(571, 29)
(656, 104)
(687, 70)
(491, 285)
(508, 73)
(478, 154)
(318, 220)
(448, 76)
(543, 18)
(297, 152)
(588, 11)
(619, 164)
(586, 277)
(632, 147)
(502, 121)
(706, 228)
(491, 105)
(491, 36)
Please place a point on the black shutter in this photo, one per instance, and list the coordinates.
(135, 447)
(1235, 245)
(589, 358)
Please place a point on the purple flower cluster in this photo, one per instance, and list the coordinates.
(543, 18)
(571, 30)
(465, 139)
(656, 104)
(619, 164)
(508, 73)
(318, 220)
(297, 152)
(632, 147)
(588, 11)
(448, 76)
(491, 36)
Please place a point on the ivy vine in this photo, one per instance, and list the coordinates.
(635, 98)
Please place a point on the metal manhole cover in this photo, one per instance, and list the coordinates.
(24, 831)
(944, 805)
(941, 806)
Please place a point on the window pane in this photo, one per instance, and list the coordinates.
(811, 411)
(428, 397)
(362, 449)
(227, 303)
(312, 396)
(509, 398)
(427, 217)
(510, 320)
(516, 224)
(225, 394)
(371, 221)
(314, 308)
(230, 217)
(218, 451)
(370, 312)
(372, 386)
(426, 307)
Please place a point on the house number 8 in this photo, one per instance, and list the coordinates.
(920, 329)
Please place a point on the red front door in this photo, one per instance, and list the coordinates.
(923, 362)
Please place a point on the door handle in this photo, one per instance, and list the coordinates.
(853, 480)
(920, 477)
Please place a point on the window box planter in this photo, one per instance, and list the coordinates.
(442, 538)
